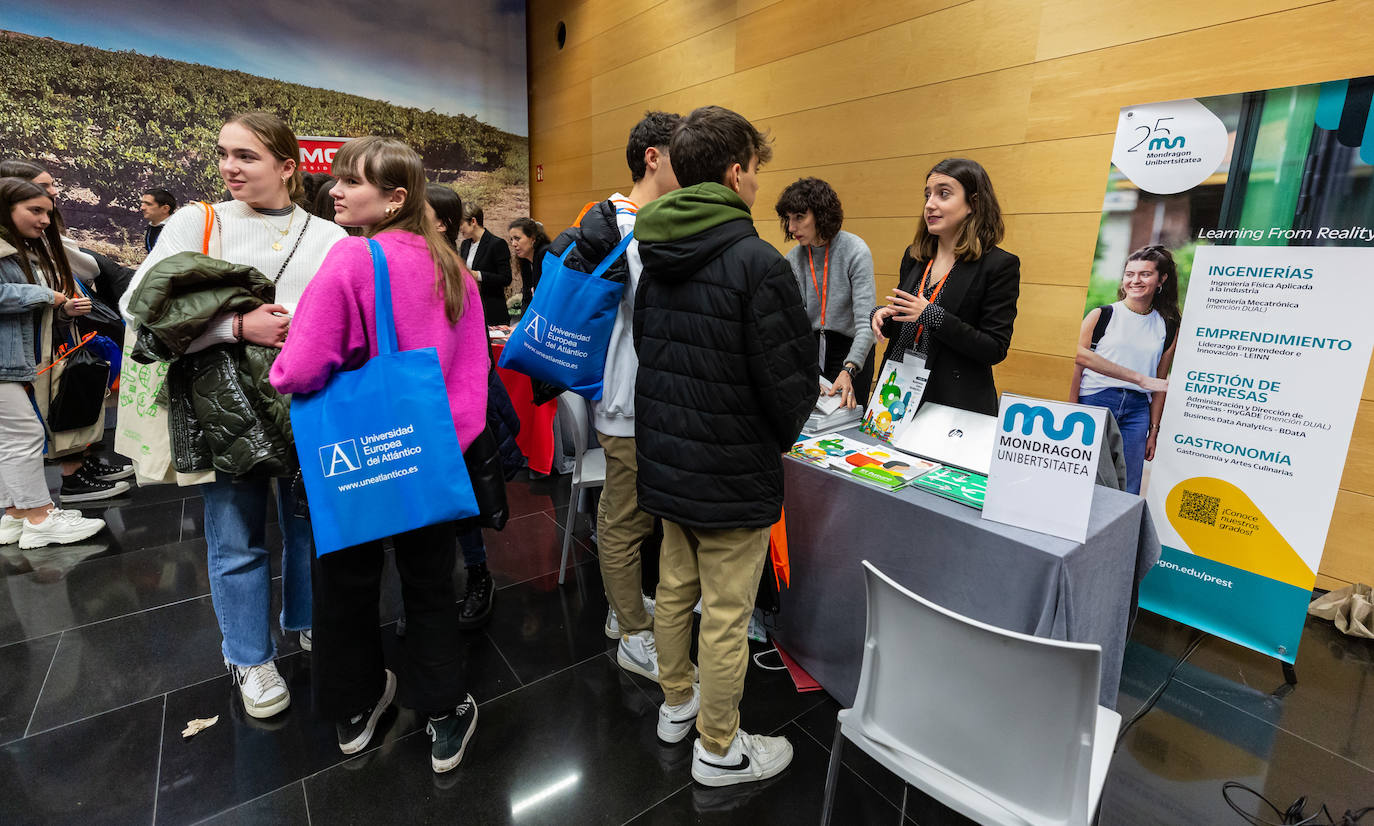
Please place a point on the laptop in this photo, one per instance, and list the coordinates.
(951, 436)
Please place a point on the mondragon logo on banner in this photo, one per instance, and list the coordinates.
(1052, 430)
(339, 458)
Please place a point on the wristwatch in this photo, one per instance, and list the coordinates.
(852, 370)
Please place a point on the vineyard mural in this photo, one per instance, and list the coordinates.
(115, 99)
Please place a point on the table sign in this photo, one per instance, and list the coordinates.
(1044, 465)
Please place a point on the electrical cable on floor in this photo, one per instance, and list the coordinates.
(1159, 692)
(1294, 815)
(779, 667)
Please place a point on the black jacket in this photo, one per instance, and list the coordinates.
(980, 309)
(727, 363)
(223, 413)
(595, 237)
(493, 261)
(530, 271)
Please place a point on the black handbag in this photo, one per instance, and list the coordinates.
(483, 458)
(80, 397)
(103, 318)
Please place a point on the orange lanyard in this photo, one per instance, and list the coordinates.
(823, 288)
(921, 292)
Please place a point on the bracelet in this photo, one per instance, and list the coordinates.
(1153, 428)
(238, 326)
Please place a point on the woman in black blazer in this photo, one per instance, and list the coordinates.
(529, 241)
(957, 297)
(489, 262)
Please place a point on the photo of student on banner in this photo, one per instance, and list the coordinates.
(1125, 350)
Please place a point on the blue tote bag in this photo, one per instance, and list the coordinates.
(378, 452)
(563, 336)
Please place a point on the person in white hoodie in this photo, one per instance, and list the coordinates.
(621, 526)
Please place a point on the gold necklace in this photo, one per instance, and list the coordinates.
(276, 245)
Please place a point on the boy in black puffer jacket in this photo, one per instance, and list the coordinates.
(727, 376)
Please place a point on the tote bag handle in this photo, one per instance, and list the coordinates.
(386, 324)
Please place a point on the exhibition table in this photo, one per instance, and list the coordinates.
(1010, 577)
(536, 421)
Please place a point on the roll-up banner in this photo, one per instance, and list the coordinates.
(1259, 207)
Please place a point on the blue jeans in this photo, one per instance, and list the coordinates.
(474, 549)
(1132, 411)
(240, 580)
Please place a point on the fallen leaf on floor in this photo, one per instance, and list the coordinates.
(197, 726)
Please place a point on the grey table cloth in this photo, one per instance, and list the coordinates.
(1010, 577)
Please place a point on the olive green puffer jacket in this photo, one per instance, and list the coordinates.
(223, 413)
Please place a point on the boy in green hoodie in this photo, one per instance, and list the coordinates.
(727, 376)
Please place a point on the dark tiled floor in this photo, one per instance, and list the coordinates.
(109, 648)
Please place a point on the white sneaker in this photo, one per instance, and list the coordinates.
(11, 528)
(750, 757)
(638, 655)
(262, 688)
(676, 722)
(60, 528)
(612, 628)
(307, 640)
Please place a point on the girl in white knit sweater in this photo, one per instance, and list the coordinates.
(263, 228)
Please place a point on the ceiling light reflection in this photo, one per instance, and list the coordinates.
(544, 794)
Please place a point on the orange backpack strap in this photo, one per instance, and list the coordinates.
(577, 222)
(209, 226)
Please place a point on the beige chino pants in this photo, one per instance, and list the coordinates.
(722, 568)
(621, 528)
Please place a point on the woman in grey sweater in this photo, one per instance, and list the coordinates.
(834, 270)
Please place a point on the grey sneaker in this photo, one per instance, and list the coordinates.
(638, 654)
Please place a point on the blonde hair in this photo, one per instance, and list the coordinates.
(981, 230)
(389, 165)
(280, 141)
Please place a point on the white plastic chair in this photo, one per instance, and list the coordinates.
(589, 466)
(1001, 726)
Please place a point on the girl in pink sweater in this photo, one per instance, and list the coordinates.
(381, 188)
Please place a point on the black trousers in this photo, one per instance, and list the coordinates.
(349, 672)
(836, 348)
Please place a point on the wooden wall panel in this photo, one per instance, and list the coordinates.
(871, 98)
(1072, 26)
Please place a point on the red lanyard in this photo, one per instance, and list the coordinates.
(823, 288)
(921, 292)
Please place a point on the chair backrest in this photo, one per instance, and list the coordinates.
(1009, 714)
(575, 408)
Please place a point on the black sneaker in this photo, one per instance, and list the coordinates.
(355, 734)
(81, 486)
(451, 734)
(106, 472)
(479, 599)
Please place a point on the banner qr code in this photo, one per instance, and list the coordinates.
(1199, 507)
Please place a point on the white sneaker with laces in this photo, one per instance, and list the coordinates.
(676, 722)
(613, 623)
(263, 690)
(11, 528)
(62, 527)
(750, 758)
(638, 654)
